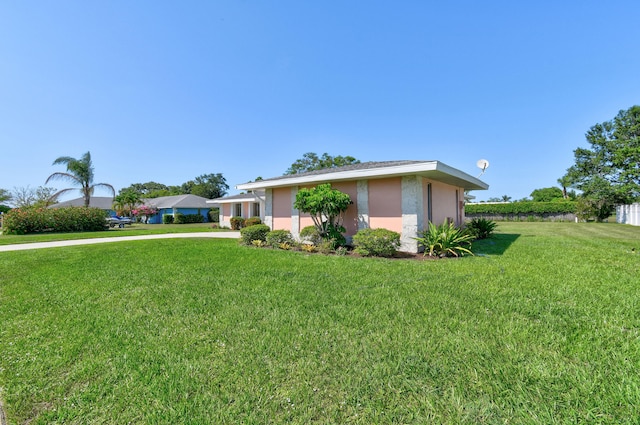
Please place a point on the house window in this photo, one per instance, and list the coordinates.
(237, 210)
(255, 209)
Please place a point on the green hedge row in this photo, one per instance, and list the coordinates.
(525, 207)
(180, 218)
(21, 221)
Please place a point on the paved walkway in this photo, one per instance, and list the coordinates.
(38, 245)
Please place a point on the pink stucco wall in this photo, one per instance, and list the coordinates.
(351, 215)
(282, 208)
(385, 204)
(444, 202)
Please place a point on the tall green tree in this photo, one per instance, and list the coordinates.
(80, 173)
(208, 186)
(144, 189)
(311, 161)
(546, 194)
(609, 170)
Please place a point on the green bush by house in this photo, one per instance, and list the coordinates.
(257, 232)
(180, 218)
(376, 242)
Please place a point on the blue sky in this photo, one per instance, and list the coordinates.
(166, 91)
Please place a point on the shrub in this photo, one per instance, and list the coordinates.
(257, 232)
(310, 234)
(167, 218)
(214, 215)
(481, 228)
(237, 223)
(445, 240)
(279, 238)
(335, 236)
(252, 221)
(73, 219)
(180, 218)
(522, 207)
(376, 242)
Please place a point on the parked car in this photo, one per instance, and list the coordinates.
(115, 220)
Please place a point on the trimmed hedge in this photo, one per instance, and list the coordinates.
(277, 237)
(525, 207)
(376, 242)
(180, 218)
(21, 221)
(257, 232)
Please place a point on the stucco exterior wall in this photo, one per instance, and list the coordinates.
(385, 204)
(444, 203)
(281, 208)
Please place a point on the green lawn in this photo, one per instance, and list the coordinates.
(542, 326)
(132, 230)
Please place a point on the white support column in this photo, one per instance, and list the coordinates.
(412, 214)
(295, 215)
(362, 204)
(268, 208)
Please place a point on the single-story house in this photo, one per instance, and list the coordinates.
(403, 196)
(245, 205)
(184, 204)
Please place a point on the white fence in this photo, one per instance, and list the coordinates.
(628, 214)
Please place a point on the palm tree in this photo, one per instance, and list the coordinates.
(79, 172)
(565, 182)
(126, 201)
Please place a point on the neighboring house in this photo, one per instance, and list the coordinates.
(184, 204)
(403, 196)
(245, 205)
(102, 202)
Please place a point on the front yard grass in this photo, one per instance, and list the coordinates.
(130, 230)
(541, 326)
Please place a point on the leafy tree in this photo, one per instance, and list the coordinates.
(608, 173)
(27, 197)
(546, 194)
(80, 173)
(506, 198)
(310, 162)
(326, 207)
(5, 195)
(144, 189)
(208, 186)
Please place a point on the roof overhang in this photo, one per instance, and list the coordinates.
(433, 170)
(245, 197)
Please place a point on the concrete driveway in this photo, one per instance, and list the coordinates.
(39, 245)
